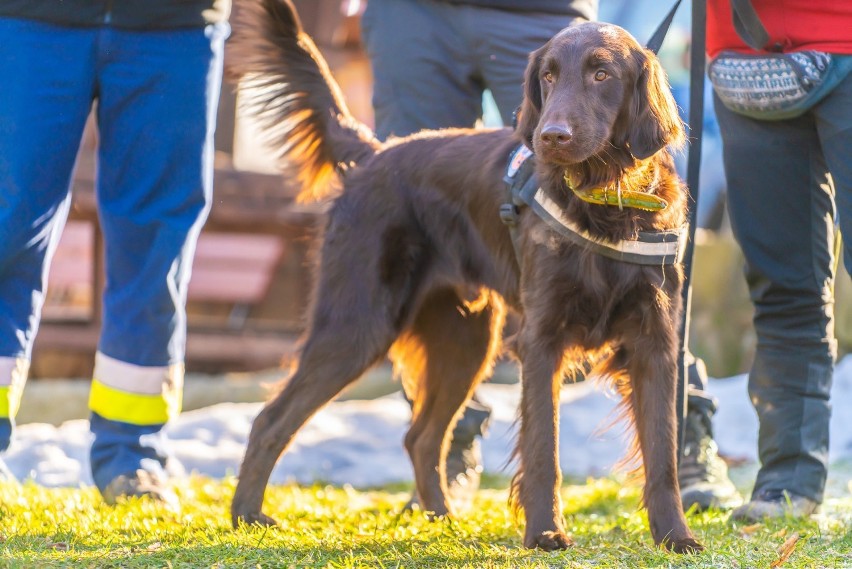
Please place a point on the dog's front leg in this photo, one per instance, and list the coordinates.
(653, 375)
(536, 486)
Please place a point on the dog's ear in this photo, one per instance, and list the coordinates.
(530, 110)
(653, 121)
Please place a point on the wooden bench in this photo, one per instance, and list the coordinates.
(249, 285)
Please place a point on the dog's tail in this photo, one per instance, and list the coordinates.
(285, 83)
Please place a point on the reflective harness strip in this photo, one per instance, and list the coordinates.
(13, 376)
(139, 395)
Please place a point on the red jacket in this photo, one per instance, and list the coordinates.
(793, 25)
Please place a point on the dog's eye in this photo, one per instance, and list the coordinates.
(600, 75)
(547, 76)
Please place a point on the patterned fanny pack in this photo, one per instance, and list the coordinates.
(773, 86)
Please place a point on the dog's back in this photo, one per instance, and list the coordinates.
(285, 82)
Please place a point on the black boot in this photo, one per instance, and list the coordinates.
(702, 474)
(464, 458)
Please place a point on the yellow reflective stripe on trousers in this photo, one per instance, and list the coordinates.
(13, 376)
(10, 400)
(139, 395)
(134, 408)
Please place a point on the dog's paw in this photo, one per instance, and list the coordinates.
(253, 519)
(438, 516)
(437, 513)
(548, 541)
(684, 545)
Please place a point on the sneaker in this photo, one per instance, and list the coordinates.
(702, 474)
(775, 504)
(138, 484)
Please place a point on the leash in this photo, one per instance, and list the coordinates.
(696, 121)
(660, 33)
(693, 167)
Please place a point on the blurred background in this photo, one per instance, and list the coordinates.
(252, 273)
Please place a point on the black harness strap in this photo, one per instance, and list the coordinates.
(520, 173)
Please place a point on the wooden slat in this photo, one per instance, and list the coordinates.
(245, 350)
(245, 202)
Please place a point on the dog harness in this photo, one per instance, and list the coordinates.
(649, 247)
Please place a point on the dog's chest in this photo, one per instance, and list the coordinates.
(587, 297)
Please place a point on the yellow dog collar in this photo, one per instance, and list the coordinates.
(618, 197)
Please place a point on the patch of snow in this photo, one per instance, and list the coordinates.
(359, 442)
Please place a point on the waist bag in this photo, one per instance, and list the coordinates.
(773, 86)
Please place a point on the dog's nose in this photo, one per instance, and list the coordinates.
(555, 135)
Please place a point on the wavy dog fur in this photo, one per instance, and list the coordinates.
(297, 101)
(415, 262)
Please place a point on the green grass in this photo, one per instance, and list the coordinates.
(324, 526)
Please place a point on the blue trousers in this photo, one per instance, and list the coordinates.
(156, 95)
(789, 183)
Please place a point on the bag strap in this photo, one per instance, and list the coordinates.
(748, 24)
(660, 33)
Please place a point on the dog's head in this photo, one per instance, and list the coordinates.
(593, 90)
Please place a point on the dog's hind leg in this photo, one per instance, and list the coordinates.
(334, 356)
(448, 350)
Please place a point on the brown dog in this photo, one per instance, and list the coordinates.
(415, 261)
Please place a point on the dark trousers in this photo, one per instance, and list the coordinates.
(432, 60)
(788, 182)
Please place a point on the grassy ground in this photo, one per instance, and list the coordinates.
(341, 527)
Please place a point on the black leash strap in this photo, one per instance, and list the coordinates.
(693, 167)
(660, 33)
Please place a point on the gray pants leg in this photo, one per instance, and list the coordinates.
(432, 60)
(782, 206)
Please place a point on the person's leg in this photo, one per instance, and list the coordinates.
(156, 116)
(45, 98)
(834, 125)
(501, 42)
(782, 214)
(423, 74)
